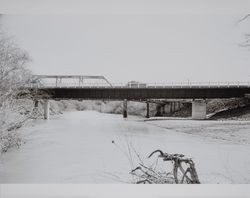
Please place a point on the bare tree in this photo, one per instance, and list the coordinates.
(13, 75)
(246, 42)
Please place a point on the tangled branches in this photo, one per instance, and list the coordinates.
(183, 171)
(246, 42)
(14, 75)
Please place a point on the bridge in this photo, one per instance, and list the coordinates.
(77, 87)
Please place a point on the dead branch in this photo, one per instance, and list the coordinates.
(183, 170)
(244, 18)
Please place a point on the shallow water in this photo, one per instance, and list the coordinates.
(77, 147)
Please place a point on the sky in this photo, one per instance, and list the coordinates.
(147, 41)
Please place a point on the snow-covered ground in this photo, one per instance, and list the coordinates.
(77, 148)
(233, 131)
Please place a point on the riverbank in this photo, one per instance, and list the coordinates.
(233, 131)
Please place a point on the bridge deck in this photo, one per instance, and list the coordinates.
(119, 93)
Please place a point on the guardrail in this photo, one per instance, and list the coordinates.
(148, 85)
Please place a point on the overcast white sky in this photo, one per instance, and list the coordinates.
(149, 41)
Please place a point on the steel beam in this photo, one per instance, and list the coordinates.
(143, 93)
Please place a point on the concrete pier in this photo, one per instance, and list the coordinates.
(125, 108)
(247, 96)
(167, 108)
(35, 110)
(171, 107)
(147, 114)
(163, 109)
(158, 110)
(46, 109)
(199, 109)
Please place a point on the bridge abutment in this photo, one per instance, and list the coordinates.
(125, 108)
(199, 109)
(46, 109)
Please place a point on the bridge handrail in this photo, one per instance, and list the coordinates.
(143, 85)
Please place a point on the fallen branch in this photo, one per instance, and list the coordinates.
(183, 171)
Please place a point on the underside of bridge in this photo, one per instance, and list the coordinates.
(143, 93)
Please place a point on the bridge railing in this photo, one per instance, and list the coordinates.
(143, 85)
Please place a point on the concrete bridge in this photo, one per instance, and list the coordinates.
(195, 92)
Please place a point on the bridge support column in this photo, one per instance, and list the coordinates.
(35, 110)
(247, 96)
(158, 111)
(46, 109)
(163, 109)
(125, 108)
(171, 107)
(199, 109)
(147, 114)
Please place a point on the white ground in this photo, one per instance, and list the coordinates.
(77, 148)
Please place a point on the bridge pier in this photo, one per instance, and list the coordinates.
(125, 108)
(147, 108)
(171, 107)
(247, 96)
(46, 109)
(199, 109)
(158, 111)
(163, 109)
(35, 110)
